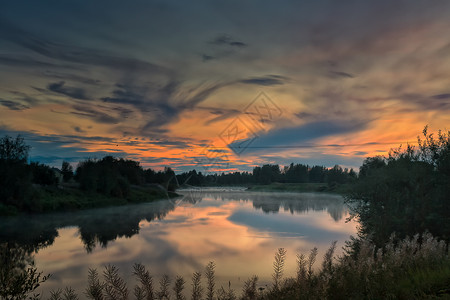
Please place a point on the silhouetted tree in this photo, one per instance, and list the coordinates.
(15, 176)
(317, 174)
(67, 171)
(13, 149)
(406, 192)
(43, 174)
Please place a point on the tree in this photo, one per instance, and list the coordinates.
(15, 175)
(43, 174)
(18, 276)
(370, 164)
(317, 174)
(13, 149)
(67, 171)
(406, 192)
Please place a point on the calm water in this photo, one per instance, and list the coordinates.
(238, 230)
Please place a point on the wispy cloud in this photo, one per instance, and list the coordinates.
(72, 53)
(340, 74)
(13, 105)
(206, 57)
(96, 115)
(227, 40)
(72, 77)
(267, 80)
(300, 135)
(441, 96)
(73, 92)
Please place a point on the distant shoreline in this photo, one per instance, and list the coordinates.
(69, 198)
(303, 187)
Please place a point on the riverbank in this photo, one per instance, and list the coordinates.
(340, 189)
(70, 198)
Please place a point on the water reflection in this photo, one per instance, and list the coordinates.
(98, 226)
(238, 230)
(273, 202)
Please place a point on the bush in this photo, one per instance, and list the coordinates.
(406, 192)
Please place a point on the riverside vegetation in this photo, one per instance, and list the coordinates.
(34, 187)
(401, 251)
(412, 268)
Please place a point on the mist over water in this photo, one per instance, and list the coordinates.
(238, 230)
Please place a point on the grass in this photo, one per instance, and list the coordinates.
(68, 198)
(413, 268)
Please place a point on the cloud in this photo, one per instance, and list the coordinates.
(161, 106)
(298, 136)
(24, 97)
(52, 149)
(73, 53)
(222, 114)
(27, 62)
(338, 74)
(59, 87)
(436, 102)
(206, 57)
(227, 40)
(223, 46)
(267, 80)
(78, 129)
(71, 77)
(441, 96)
(13, 105)
(93, 114)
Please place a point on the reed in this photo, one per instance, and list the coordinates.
(412, 268)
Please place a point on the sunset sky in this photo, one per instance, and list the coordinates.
(223, 85)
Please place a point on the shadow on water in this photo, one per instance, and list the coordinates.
(97, 226)
(100, 226)
(295, 203)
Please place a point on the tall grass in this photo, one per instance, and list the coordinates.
(413, 268)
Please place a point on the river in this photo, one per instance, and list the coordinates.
(239, 230)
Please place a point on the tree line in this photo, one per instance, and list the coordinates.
(110, 176)
(270, 173)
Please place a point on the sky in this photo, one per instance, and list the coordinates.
(223, 85)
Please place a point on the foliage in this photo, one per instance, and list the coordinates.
(25, 187)
(406, 192)
(197, 289)
(67, 294)
(115, 287)
(278, 266)
(67, 171)
(410, 268)
(114, 177)
(95, 288)
(18, 276)
(179, 287)
(249, 291)
(15, 184)
(15, 176)
(43, 174)
(164, 283)
(210, 277)
(268, 174)
(108, 176)
(13, 149)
